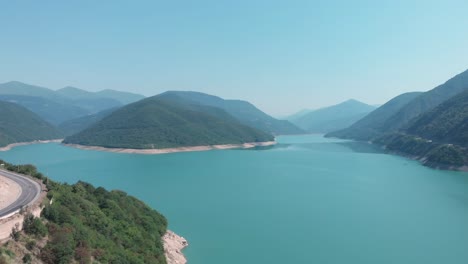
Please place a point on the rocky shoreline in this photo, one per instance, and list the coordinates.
(174, 150)
(173, 246)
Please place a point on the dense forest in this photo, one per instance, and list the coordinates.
(84, 224)
(18, 124)
(160, 123)
(430, 126)
(243, 111)
(439, 136)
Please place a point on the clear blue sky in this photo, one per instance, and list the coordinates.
(280, 55)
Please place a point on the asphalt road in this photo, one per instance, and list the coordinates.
(30, 192)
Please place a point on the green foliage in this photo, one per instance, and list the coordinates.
(15, 234)
(79, 124)
(30, 244)
(27, 258)
(161, 123)
(27, 169)
(111, 227)
(447, 123)
(401, 111)
(434, 154)
(34, 226)
(243, 111)
(18, 124)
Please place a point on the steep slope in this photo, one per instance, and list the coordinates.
(334, 117)
(428, 101)
(156, 123)
(79, 124)
(86, 224)
(17, 124)
(391, 121)
(243, 111)
(372, 124)
(447, 123)
(438, 137)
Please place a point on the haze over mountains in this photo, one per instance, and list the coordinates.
(416, 123)
(171, 119)
(331, 118)
(64, 104)
(167, 121)
(431, 126)
(244, 111)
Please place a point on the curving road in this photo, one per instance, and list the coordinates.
(30, 192)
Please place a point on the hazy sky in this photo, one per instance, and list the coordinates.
(280, 55)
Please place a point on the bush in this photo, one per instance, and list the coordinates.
(27, 258)
(34, 226)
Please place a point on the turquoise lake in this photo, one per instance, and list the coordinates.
(306, 200)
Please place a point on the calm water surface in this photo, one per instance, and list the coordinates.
(307, 200)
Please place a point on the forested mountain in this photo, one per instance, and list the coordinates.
(64, 104)
(18, 124)
(79, 124)
(438, 137)
(447, 123)
(243, 111)
(403, 110)
(334, 117)
(428, 101)
(431, 126)
(373, 124)
(165, 122)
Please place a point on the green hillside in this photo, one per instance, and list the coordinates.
(156, 122)
(447, 123)
(427, 101)
(372, 124)
(85, 224)
(243, 111)
(333, 118)
(397, 113)
(439, 136)
(17, 124)
(79, 124)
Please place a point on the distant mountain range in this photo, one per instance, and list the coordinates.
(118, 119)
(373, 124)
(431, 126)
(167, 121)
(243, 111)
(64, 104)
(331, 118)
(18, 124)
(79, 124)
